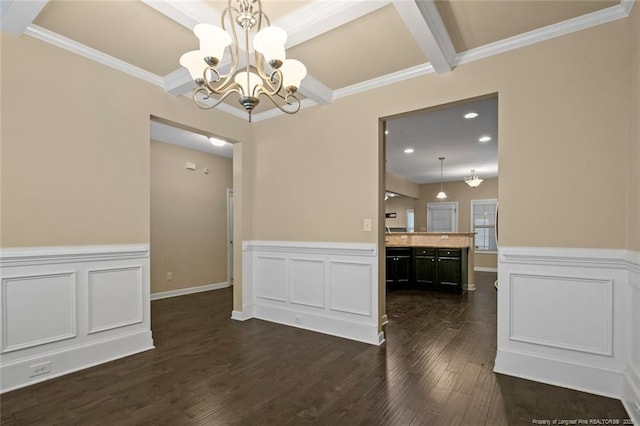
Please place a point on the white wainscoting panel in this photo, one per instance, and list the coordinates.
(73, 307)
(307, 282)
(331, 288)
(350, 287)
(564, 317)
(558, 324)
(38, 309)
(121, 287)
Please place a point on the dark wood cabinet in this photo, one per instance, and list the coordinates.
(428, 267)
(398, 260)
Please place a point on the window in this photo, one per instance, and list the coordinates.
(483, 224)
(410, 220)
(442, 217)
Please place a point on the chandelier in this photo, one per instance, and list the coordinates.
(473, 180)
(270, 74)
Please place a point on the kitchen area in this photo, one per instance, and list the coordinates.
(441, 196)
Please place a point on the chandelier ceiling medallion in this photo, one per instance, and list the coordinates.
(473, 180)
(270, 74)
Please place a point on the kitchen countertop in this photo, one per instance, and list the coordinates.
(429, 239)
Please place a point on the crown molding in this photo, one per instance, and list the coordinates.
(93, 54)
(627, 5)
(384, 80)
(186, 13)
(569, 26)
(314, 89)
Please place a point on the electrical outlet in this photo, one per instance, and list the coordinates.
(169, 276)
(39, 369)
(298, 319)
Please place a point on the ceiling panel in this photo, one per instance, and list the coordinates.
(273, 8)
(444, 132)
(371, 46)
(127, 30)
(474, 23)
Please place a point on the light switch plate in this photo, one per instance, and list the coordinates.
(367, 225)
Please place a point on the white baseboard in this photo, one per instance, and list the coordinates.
(483, 269)
(360, 332)
(243, 315)
(566, 374)
(15, 374)
(188, 290)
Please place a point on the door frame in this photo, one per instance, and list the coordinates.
(230, 236)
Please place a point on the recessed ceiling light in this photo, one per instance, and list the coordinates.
(217, 142)
(408, 151)
(470, 115)
(485, 139)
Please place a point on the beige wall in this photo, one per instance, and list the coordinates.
(188, 217)
(557, 109)
(634, 158)
(456, 191)
(75, 147)
(401, 186)
(399, 206)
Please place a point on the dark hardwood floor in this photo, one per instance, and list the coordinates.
(435, 369)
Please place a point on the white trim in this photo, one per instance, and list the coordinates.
(93, 54)
(29, 256)
(75, 358)
(558, 372)
(627, 5)
(569, 26)
(230, 239)
(315, 90)
(275, 112)
(472, 225)
(186, 13)
(178, 82)
(484, 269)
(554, 256)
(384, 80)
(355, 249)
(188, 290)
(245, 314)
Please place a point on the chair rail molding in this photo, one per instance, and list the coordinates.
(330, 288)
(68, 308)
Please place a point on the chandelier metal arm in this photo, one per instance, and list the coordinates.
(296, 103)
(203, 90)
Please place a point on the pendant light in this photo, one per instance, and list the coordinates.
(473, 180)
(441, 195)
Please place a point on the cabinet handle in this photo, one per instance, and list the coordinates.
(439, 260)
(433, 260)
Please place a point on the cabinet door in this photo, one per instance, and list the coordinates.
(450, 271)
(391, 269)
(425, 270)
(403, 269)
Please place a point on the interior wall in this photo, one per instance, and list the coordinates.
(634, 158)
(557, 106)
(402, 186)
(188, 217)
(399, 206)
(76, 152)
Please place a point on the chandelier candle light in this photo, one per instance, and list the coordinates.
(270, 75)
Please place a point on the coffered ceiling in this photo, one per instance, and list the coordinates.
(348, 46)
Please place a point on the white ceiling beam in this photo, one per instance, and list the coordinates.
(18, 15)
(186, 13)
(313, 89)
(423, 20)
